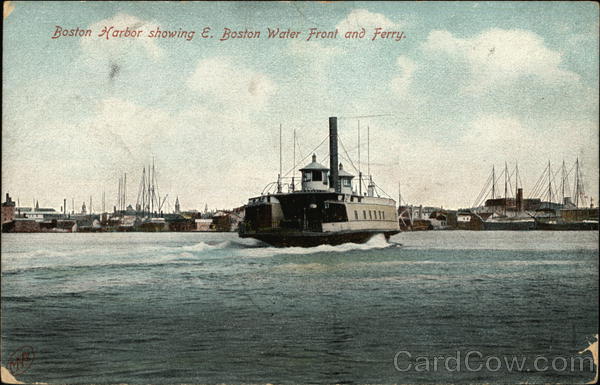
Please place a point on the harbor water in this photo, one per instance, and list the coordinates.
(214, 308)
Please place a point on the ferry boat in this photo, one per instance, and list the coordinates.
(325, 211)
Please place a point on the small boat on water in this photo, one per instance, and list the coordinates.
(325, 211)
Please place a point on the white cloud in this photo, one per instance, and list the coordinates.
(401, 83)
(314, 55)
(231, 84)
(116, 132)
(130, 127)
(499, 57)
(499, 130)
(362, 18)
(499, 138)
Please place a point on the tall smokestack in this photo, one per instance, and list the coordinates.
(519, 199)
(333, 155)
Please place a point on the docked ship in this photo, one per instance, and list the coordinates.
(571, 215)
(503, 213)
(515, 223)
(560, 224)
(325, 211)
(547, 212)
(509, 214)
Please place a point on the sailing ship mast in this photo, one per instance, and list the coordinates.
(280, 163)
(577, 183)
(143, 188)
(359, 171)
(124, 191)
(119, 195)
(549, 183)
(148, 199)
(505, 185)
(294, 161)
(562, 182)
(153, 186)
(149, 192)
(493, 182)
(516, 179)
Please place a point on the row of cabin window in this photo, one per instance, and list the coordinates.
(317, 176)
(372, 213)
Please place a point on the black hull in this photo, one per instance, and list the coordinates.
(510, 226)
(311, 239)
(567, 226)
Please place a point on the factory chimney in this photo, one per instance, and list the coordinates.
(334, 181)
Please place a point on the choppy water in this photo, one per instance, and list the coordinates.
(213, 308)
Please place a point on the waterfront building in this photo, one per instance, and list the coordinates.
(8, 210)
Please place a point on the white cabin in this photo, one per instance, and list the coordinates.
(315, 176)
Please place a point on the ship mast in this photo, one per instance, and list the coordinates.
(505, 185)
(369, 151)
(125, 191)
(577, 183)
(158, 200)
(493, 182)
(141, 204)
(562, 182)
(280, 164)
(119, 195)
(149, 192)
(294, 160)
(143, 190)
(153, 187)
(516, 179)
(359, 172)
(549, 183)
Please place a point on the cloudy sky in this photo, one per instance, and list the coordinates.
(472, 85)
